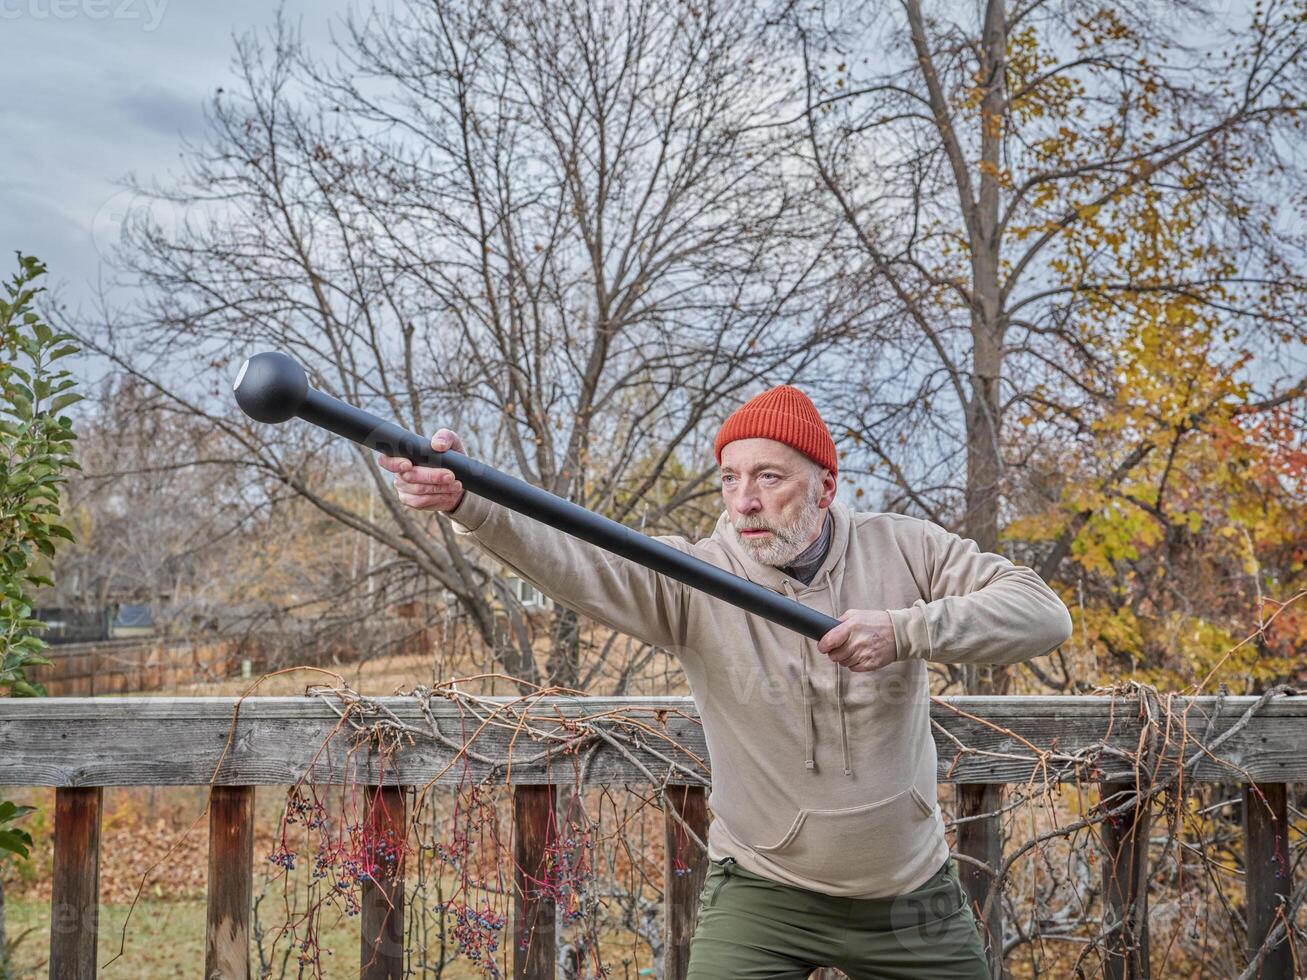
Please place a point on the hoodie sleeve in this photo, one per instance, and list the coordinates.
(982, 609)
(587, 579)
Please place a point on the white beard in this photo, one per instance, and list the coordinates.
(787, 541)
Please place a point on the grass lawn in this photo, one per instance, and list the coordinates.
(166, 939)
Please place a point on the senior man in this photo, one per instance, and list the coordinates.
(827, 845)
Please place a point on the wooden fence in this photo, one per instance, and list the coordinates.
(81, 745)
(146, 664)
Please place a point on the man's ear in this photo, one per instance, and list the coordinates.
(828, 488)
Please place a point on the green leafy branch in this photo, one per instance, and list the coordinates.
(36, 447)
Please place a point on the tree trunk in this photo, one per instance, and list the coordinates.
(984, 473)
(565, 650)
(983, 839)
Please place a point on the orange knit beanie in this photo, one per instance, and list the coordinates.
(785, 414)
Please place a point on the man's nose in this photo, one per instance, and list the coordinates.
(747, 503)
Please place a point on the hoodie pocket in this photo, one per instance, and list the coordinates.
(822, 844)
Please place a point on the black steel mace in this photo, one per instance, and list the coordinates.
(271, 387)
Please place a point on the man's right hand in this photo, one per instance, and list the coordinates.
(427, 487)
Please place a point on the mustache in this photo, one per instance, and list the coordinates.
(786, 533)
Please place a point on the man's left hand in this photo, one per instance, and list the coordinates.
(864, 640)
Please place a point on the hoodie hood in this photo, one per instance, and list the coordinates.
(771, 576)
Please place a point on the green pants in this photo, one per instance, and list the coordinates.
(753, 928)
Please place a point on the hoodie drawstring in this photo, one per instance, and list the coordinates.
(839, 684)
(809, 742)
(809, 761)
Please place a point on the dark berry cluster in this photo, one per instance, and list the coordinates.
(476, 930)
(311, 813)
(283, 858)
(568, 871)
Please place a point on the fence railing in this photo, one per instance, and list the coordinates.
(1129, 746)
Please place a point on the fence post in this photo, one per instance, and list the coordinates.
(533, 909)
(75, 889)
(685, 866)
(982, 839)
(230, 883)
(1268, 873)
(381, 931)
(1125, 883)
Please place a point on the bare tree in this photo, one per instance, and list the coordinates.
(140, 537)
(559, 227)
(1003, 172)
(166, 516)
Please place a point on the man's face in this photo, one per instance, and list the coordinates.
(776, 497)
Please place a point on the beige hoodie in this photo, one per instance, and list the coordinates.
(823, 777)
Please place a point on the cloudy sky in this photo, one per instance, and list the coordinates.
(95, 90)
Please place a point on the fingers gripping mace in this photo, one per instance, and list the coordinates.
(271, 387)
